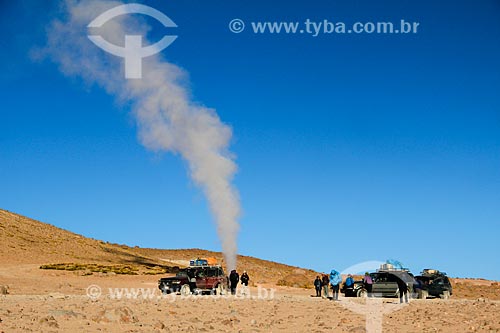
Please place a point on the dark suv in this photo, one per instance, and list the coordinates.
(196, 280)
(385, 284)
(432, 282)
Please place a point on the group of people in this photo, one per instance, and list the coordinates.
(334, 280)
(234, 278)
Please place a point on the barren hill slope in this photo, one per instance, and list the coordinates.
(24, 240)
(27, 241)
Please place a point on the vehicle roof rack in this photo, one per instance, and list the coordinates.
(390, 268)
(430, 271)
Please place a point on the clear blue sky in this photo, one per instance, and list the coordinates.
(350, 147)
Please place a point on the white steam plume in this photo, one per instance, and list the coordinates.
(167, 117)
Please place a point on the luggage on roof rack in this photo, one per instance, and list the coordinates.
(198, 262)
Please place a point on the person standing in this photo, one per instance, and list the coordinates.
(244, 282)
(325, 282)
(234, 278)
(335, 280)
(368, 282)
(318, 285)
(349, 282)
(192, 279)
(244, 278)
(403, 290)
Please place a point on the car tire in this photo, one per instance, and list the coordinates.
(423, 294)
(165, 290)
(220, 289)
(362, 293)
(445, 295)
(185, 290)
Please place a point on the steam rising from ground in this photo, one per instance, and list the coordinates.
(168, 118)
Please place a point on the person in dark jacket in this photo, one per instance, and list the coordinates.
(325, 282)
(244, 278)
(191, 279)
(318, 284)
(244, 282)
(234, 278)
(403, 290)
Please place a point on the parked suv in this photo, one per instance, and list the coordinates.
(432, 282)
(385, 284)
(196, 280)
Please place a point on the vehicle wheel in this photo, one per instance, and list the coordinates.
(423, 294)
(165, 290)
(220, 289)
(445, 294)
(362, 293)
(185, 290)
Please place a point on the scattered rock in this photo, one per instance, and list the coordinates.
(64, 285)
(50, 321)
(159, 325)
(67, 314)
(119, 315)
(57, 295)
(226, 322)
(4, 290)
(85, 272)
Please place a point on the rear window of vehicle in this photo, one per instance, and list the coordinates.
(212, 272)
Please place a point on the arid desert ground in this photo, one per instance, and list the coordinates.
(107, 287)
